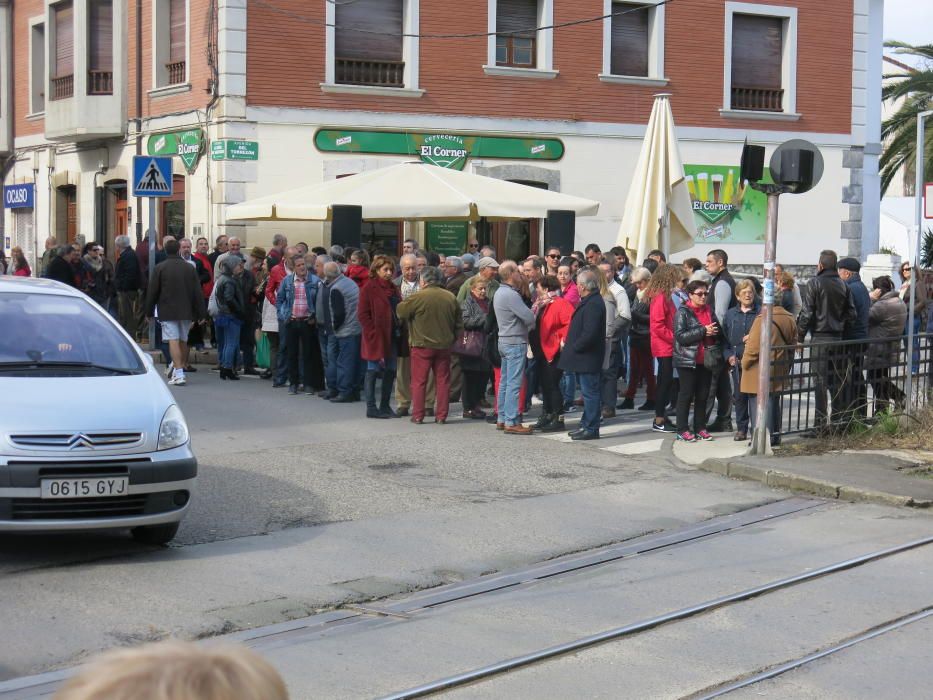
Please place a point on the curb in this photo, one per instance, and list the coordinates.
(776, 478)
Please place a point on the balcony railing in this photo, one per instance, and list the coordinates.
(63, 87)
(176, 72)
(100, 82)
(351, 71)
(758, 98)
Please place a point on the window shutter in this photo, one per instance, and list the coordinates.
(756, 51)
(100, 31)
(64, 39)
(370, 16)
(517, 16)
(630, 40)
(176, 26)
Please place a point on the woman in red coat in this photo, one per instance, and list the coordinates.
(376, 311)
(661, 324)
(553, 313)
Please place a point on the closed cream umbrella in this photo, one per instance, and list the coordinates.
(658, 211)
(413, 191)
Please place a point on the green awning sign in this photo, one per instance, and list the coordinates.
(187, 145)
(234, 149)
(445, 150)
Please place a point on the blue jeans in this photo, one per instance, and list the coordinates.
(229, 327)
(510, 383)
(390, 363)
(590, 385)
(343, 361)
(568, 387)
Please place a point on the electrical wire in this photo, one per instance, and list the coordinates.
(559, 25)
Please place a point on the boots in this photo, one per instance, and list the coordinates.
(369, 388)
(388, 383)
(556, 424)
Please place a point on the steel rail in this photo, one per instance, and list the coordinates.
(815, 656)
(635, 627)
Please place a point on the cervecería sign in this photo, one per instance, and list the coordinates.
(449, 150)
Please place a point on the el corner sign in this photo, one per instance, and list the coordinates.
(448, 150)
(187, 145)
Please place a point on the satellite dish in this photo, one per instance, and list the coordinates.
(797, 164)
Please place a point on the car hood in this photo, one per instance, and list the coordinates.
(60, 405)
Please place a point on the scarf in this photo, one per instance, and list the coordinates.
(95, 265)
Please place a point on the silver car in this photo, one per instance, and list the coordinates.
(90, 436)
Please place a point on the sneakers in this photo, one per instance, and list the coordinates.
(687, 436)
(664, 427)
(703, 435)
(293, 390)
(169, 370)
(177, 380)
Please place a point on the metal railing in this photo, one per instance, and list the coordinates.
(176, 72)
(827, 386)
(100, 82)
(63, 87)
(757, 98)
(351, 71)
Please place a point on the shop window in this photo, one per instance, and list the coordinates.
(62, 78)
(761, 58)
(170, 39)
(172, 219)
(381, 237)
(100, 47)
(516, 38)
(37, 68)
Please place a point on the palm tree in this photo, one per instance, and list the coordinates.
(899, 132)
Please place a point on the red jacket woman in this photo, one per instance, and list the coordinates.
(661, 326)
(553, 323)
(375, 311)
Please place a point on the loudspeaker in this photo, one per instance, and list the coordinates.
(752, 167)
(560, 230)
(797, 167)
(346, 226)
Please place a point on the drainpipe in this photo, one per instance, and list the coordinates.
(139, 111)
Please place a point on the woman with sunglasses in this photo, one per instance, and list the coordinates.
(696, 331)
(553, 261)
(920, 307)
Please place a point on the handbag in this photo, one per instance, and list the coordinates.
(713, 358)
(470, 343)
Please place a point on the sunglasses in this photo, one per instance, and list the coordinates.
(700, 294)
(554, 257)
(474, 245)
(905, 269)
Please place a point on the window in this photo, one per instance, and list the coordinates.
(100, 47)
(62, 78)
(37, 68)
(170, 39)
(633, 43)
(761, 61)
(364, 58)
(516, 40)
(372, 47)
(516, 46)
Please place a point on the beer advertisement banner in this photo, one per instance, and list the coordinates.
(725, 209)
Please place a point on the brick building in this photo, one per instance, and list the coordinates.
(272, 94)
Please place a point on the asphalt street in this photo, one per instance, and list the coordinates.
(305, 507)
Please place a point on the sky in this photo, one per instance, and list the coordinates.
(910, 21)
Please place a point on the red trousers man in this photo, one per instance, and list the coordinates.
(423, 360)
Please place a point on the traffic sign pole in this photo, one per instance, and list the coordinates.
(152, 261)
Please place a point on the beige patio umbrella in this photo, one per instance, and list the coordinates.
(658, 211)
(413, 191)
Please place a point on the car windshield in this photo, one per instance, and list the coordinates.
(45, 329)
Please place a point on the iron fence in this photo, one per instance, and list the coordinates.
(827, 385)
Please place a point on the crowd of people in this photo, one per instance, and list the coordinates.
(430, 330)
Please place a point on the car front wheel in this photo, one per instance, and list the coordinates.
(155, 534)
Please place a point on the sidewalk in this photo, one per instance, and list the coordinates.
(889, 477)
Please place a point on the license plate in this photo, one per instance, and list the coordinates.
(85, 488)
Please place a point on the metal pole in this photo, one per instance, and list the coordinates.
(761, 437)
(915, 265)
(152, 262)
(666, 234)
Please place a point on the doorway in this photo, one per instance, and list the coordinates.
(66, 214)
(172, 214)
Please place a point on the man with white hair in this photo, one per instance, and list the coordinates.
(233, 248)
(279, 245)
(408, 283)
(454, 276)
(337, 302)
(515, 320)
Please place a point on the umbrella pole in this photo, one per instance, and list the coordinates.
(666, 234)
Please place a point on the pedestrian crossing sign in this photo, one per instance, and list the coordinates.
(152, 176)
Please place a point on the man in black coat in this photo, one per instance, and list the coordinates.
(174, 296)
(60, 268)
(127, 280)
(584, 350)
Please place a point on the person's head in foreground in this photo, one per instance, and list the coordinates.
(174, 670)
